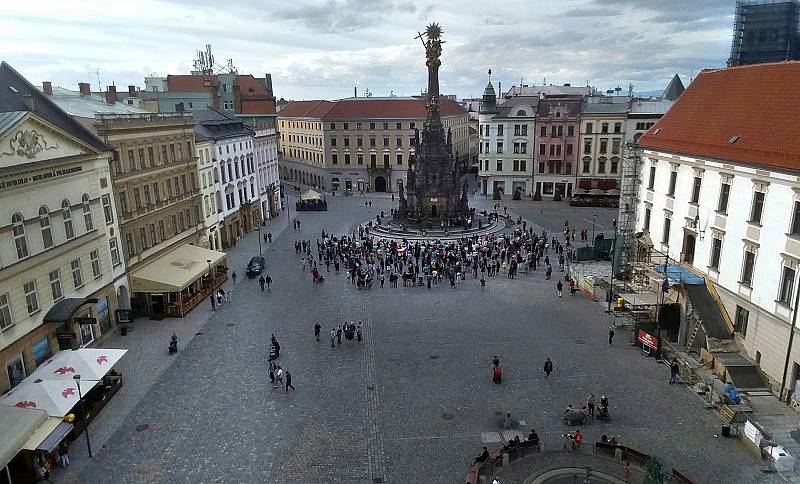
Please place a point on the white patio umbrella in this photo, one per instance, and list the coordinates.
(56, 397)
(89, 363)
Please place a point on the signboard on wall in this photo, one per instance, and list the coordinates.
(648, 339)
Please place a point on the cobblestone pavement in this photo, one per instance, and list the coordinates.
(413, 403)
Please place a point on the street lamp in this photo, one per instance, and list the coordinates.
(259, 236)
(613, 253)
(594, 224)
(77, 379)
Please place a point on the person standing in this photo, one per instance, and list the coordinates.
(483, 283)
(233, 276)
(548, 367)
(333, 337)
(213, 303)
(63, 454)
(590, 402)
(289, 381)
(674, 368)
(317, 329)
(272, 374)
(559, 287)
(610, 335)
(496, 361)
(359, 336)
(279, 376)
(339, 335)
(262, 282)
(269, 237)
(382, 280)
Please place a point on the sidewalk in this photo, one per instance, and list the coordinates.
(147, 358)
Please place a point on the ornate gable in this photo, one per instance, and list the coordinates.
(31, 139)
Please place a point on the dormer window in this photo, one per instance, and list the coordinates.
(558, 114)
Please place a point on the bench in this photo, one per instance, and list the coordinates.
(678, 477)
(606, 448)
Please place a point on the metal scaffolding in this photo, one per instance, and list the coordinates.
(765, 31)
(627, 244)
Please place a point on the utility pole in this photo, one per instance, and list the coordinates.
(664, 290)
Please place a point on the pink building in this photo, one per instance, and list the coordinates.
(555, 151)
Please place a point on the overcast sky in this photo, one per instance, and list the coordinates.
(322, 48)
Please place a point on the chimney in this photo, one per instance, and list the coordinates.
(132, 91)
(47, 88)
(355, 91)
(84, 89)
(111, 95)
(268, 82)
(500, 89)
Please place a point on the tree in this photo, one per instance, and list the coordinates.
(654, 474)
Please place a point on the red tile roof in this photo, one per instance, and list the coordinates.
(399, 108)
(758, 103)
(189, 83)
(306, 109)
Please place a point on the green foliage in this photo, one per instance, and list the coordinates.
(653, 468)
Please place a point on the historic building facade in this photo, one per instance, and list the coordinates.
(210, 186)
(721, 195)
(505, 158)
(60, 251)
(265, 152)
(602, 140)
(555, 153)
(362, 144)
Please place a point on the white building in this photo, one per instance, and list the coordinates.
(60, 253)
(506, 135)
(265, 150)
(720, 193)
(237, 199)
(210, 186)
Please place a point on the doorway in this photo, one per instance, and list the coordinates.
(688, 248)
(433, 211)
(380, 184)
(156, 304)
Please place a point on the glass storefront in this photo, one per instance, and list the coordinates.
(16, 370)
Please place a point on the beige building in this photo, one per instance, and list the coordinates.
(603, 124)
(360, 144)
(61, 267)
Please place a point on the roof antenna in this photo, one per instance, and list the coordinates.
(99, 86)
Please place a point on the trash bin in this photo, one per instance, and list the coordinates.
(726, 430)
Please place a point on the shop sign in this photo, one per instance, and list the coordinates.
(69, 335)
(86, 320)
(648, 339)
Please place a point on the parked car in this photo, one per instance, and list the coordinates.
(256, 266)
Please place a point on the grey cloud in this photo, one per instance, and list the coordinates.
(345, 15)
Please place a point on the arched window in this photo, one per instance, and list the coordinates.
(87, 213)
(44, 224)
(18, 226)
(67, 214)
(521, 112)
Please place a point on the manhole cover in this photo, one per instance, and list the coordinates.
(230, 325)
(199, 334)
(434, 357)
(447, 416)
(579, 341)
(142, 427)
(370, 387)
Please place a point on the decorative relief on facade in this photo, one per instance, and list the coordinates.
(27, 143)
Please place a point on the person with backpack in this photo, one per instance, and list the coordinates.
(497, 375)
(262, 282)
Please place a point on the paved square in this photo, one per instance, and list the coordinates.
(414, 402)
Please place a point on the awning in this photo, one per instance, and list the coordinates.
(56, 397)
(48, 435)
(311, 195)
(174, 271)
(89, 363)
(16, 426)
(65, 309)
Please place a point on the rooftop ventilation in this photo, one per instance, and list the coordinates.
(657, 131)
(734, 139)
(13, 89)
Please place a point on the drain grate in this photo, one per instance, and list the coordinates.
(448, 416)
(142, 427)
(579, 341)
(434, 357)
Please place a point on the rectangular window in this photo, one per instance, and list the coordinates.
(570, 131)
(96, 270)
(108, 213)
(589, 128)
(646, 225)
(346, 159)
(757, 208)
(698, 181)
(614, 166)
(542, 149)
(601, 165)
(55, 285)
(523, 165)
(569, 149)
(112, 247)
(372, 142)
(560, 131)
(587, 147)
(499, 130)
(334, 159)
(603, 146)
(399, 125)
(652, 180)
(516, 165)
(77, 276)
(558, 150)
(333, 126)
(371, 125)
(131, 160)
(525, 130)
(665, 233)
(740, 323)
(787, 286)
(147, 199)
(499, 147)
(523, 148)
(499, 165)
(346, 126)
(5, 312)
(552, 150)
(151, 156)
(358, 126)
(716, 252)
(615, 144)
(796, 219)
(31, 298)
(399, 159)
(360, 158)
(724, 194)
(673, 178)
(333, 142)
(359, 142)
(747, 267)
(543, 131)
(541, 167)
(604, 128)
(617, 128)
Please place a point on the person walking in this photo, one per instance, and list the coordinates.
(382, 280)
(674, 368)
(213, 303)
(233, 276)
(63, 454)
(269, 237)
(548, 367)
(262, 282)
(289, 381)
(483, 283)
(268, 280)
(496, 361)
(339, 335)
(590, 402)
(279, 376)
(559, 287)
(549, 272)
(272, 374)
(317, 329)
(333, 338)
(610, 335)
